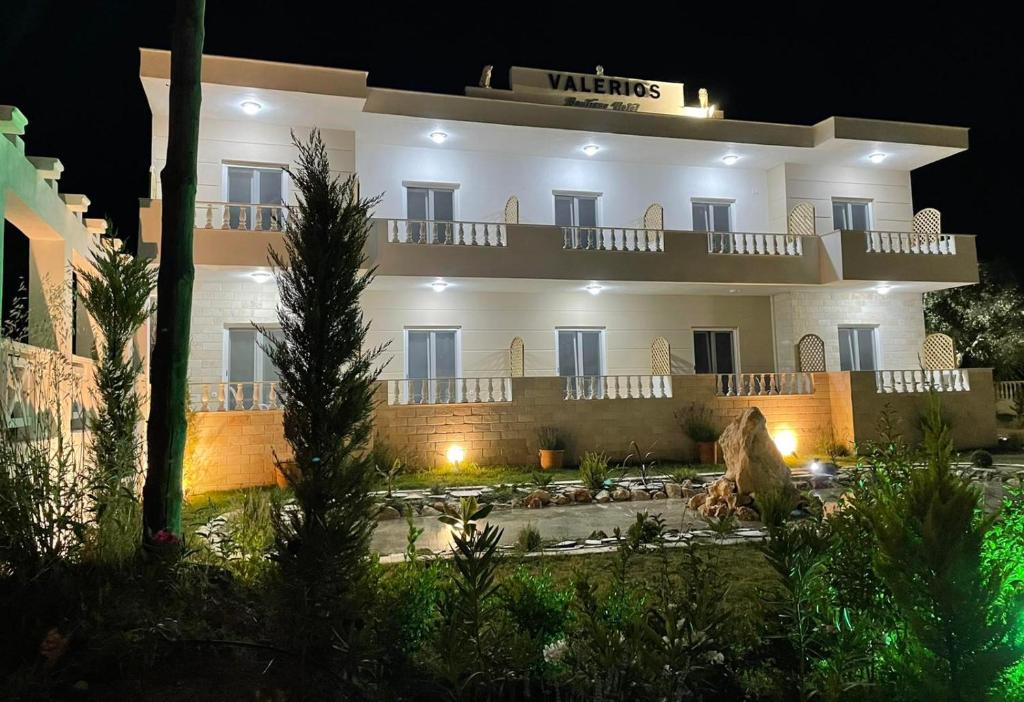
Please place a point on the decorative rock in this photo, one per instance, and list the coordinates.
(673, 490)
(561, 499)
(697, 501)
(387, 513)
(542, 495)
(689, 492)
(751, 458)
(621, 494)
(659, 495)
(534, 503)
(639, 494)
(429, 511)
(602, 497)
(581, 495)
(831, 509)
(439, 505)
(722, 488)
(746, 514)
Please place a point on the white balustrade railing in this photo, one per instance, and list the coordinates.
(617, 387)
(760, 384)
(441, 233)
(629, 239)
(917, 381)
(748, 244)
(910, 243)
(1009, 389)
(445, 391)
(240, 216)
(235, 396)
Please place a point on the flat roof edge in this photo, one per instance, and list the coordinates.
(917, 133)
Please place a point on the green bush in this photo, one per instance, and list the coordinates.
(681, 475)
(697, 422)
(550, 439)
(528, 539)
(594, 470)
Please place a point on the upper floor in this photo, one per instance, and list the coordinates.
(560, 188)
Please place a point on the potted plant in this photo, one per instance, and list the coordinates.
(551, 448)
(697, 423)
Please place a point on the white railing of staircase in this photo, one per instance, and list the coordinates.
(240, 216)
(1009, 389)
(235, 396)
(445, 391)
(627, 239)
(755, 244)
(439, 233)
(618, 387)
(916, 381)
(760, 384)
(910, 243)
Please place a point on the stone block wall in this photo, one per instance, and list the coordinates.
(230, 450)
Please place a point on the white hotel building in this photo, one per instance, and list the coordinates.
(617, 256)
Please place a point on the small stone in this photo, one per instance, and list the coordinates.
(439, 506)
(831, 509)
(659, 495)
(543, 495)
(582, 495)
(429, 511)
(388, 513)
(688, 492)
(722, 487)
(561, 499)
(621, 494)
(698, 500)
(639, 494)
(534, 503)
(602, 497)
(747, 514)
(674, 490)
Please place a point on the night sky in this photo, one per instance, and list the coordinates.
(72, 68)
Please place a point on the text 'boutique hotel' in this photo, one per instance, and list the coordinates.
(581, 251)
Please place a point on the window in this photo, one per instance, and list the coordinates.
(853, 215)
(713, 351)
(577, 211)
(430, 207)
(580, 355)
(431, 363)
(247, 362)
(259, 186)
(858, 348)
(712, 216)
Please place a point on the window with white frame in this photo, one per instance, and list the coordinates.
(715, 218)
(430, 211)
(432, 362)
(851, 215)
(580, 357)
(262, 187)
(247, 367)
(577, 213)
(714, 351)
(858, 348)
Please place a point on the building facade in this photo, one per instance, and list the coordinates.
(576, 249)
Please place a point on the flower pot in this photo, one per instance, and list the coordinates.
(707, 452)
(551, 459)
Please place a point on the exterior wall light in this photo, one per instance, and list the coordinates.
(261, 276)
(438, 137)
(594, 288)
(877, 157)
(455, 455)
(785, 442)
(883, 289)
(591, 149)
(251, 107)
(439, 286)
(730, 159)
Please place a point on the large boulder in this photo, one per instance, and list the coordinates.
(752, 461)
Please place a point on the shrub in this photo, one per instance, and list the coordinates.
(250, 534)
(645, 461)
(681, 475)
(774, 506)
(594, 470)
(697, 422)
(830, 445)
(981, 459)
(550, 439)
(541, 480)
(529, 540)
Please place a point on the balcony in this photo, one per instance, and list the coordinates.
(901, 256)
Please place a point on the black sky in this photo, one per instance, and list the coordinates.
(72, 68)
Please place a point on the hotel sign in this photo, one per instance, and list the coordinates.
(596, 91)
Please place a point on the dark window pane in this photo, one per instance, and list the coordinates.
(701, 217)
(588, 211)
(567, 353)
(846, 353)
(866, 348)
(702, 352)
(723, 352)
(591, 352)
(839, 216)
(859, 212)
(444, 205)
(722, 221)
(563, 211)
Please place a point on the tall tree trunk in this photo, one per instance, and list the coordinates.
(165, 435)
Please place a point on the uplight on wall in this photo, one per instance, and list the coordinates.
(594, 288)
(877, 157)
(730, 159)
(883, 289)
(438, 137)
(439, 286)
(251, 107)
(455, 455)
(785, 442)
(591, 149)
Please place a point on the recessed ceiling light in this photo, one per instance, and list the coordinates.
(438, 137)
(591, 149)
(877, 157)
(251, 107)
(594, 288)
(730, 159)
(883, 289)
(261, 276)
(439, 285)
